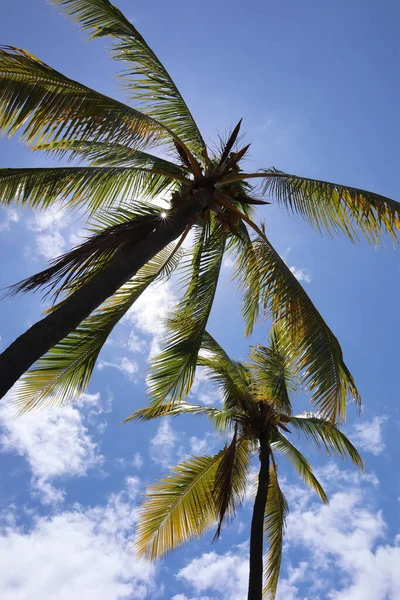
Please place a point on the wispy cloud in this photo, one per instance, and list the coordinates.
(55, 442)
(128, 367)
(82, 552)
(163, 444)
(368, 435)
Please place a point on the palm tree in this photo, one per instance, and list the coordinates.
(135, 243)
(257, 411)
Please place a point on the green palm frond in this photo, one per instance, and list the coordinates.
(173, 370)
(63, 373)
(280, 443)
(88, 187)
(272, 377)
(145, 77)
(326, 435)
(179, 507)
(247, 276)
(173, 410)
(276, 512)
(103, 154)
(231, 479)
(231, 378)
(335, 208)
(50, 107)
(311, 342)
(115, 230)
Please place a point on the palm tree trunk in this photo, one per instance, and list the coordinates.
(257, 523)
(45, 334)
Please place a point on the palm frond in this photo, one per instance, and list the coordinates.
(231, 478)
(312, 343)
(334, 208)
(173, 370)
(179, 507)
(281, 444)
(248, 277)
(69, 272)
(276, 511)
(88, 187)
(326, 435)
(231, 378)
(145, 77)
(100, 154)
(63, 373)
(271, 377)
(173, 410)
(50, 107)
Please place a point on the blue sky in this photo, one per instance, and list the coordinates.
(317, 85)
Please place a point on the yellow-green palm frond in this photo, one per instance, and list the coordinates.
(179, 507)
(276, 511)
(103, 154)
(327, 436)
(309, 339)
(115, 230)
(217, 416)
(248, 276)
(272, 377)
(63, 373)
(231, 377)
(89, 188)
(145, 77)
(280, 443)
(48, 107)
(231, 479)
(173, 370)
(335, 208)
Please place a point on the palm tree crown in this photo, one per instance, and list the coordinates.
(114, 148)
(257, 411)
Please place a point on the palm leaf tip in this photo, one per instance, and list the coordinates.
(335, 208)
(145, 77)
(327, 436)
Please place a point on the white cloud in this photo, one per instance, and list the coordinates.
(132, 485)
(52, 218)
(149, 312)
(80, 553)
(367, 435)
(135, 343)
(48, 224)
(125, 365)
(183, 597)
(11, 216)
(205, 445)
(162, 445)
(342, 539)
(55, 442)
(301, 274)
(287, 590)
(224, 573)
(50, 245)
(137, 460)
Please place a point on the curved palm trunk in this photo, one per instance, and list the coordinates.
(257, 524)
(45, 334)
